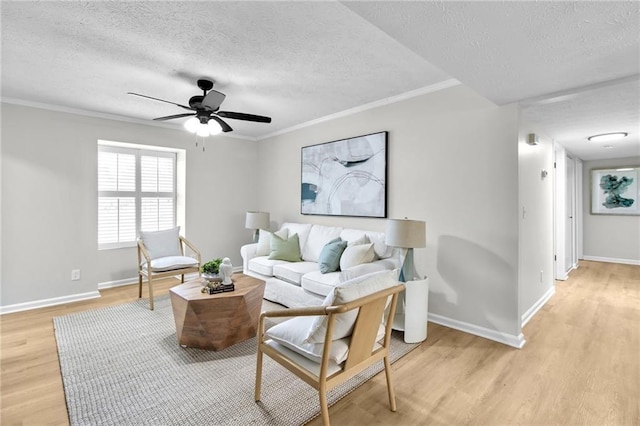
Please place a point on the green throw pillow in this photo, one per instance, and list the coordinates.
(329, 259)
(282, 249)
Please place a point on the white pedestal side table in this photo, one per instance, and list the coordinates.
(412, 319)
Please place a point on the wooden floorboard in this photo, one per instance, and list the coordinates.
(580, 366)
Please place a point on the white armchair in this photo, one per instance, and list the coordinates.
(161, 254)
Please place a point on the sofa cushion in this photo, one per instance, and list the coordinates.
(263, 265)
(264, 241)
(348, 292)
(329, 259)
(293, 271)
(319, 236)
(302, 229)
(282, 249)
(356, 255)
(319, 283)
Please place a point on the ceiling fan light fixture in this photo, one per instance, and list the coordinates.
(192, 124)
(203, 130)
(606, 137)
(214, 127)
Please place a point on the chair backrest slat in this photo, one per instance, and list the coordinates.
(365, 332)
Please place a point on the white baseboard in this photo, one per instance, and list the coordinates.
(497, 336)
(537, 306)
(117, 283)
(18, 307)
(612, 260)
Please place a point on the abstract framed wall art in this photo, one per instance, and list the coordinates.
(347, 177)
(615, 191)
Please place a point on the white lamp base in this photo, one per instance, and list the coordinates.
(413, 310)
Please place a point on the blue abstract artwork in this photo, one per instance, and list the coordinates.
(345, 177)
(615, 191)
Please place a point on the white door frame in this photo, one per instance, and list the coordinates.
(563, 209)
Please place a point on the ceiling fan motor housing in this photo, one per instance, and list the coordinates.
(205, 85)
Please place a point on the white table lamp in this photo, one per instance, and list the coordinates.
(408, 234)
(257, 221)
(413, 305)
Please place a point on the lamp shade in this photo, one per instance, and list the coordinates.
(257, 220)
(405, 233)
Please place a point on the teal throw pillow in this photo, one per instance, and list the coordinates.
(329, 259)
(282, 249)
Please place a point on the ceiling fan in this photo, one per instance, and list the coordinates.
(206, 116)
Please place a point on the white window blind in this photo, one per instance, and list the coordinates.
(136, 191)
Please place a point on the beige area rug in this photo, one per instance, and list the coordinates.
(122, 365)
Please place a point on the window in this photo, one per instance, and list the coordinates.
(136, 191)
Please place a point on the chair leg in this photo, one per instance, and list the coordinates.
(150, 293)
(324, 409)
(258, 375)
(392, 395)
(139, 286)
(182, 280)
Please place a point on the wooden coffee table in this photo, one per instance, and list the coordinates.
(219, 320)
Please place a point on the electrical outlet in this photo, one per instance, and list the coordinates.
(75, 274)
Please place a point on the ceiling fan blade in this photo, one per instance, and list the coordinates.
(213, 100)
(170, 117)
(225, 126)
(161, 100)
(246, 117)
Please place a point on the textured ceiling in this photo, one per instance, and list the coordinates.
(300, 61)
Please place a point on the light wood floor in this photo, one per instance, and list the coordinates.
(580, 366)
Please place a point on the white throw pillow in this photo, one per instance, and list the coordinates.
(292, 334)
(348, 292)
(357, 255)
(162, 243)
(264, 241)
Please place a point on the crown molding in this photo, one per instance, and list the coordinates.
(371, 105)
(95, 114)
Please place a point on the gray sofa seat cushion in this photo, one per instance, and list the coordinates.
(263, 265)
(293, 271)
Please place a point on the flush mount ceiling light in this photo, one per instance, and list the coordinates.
(606, 137)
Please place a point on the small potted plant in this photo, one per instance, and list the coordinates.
(211, 270)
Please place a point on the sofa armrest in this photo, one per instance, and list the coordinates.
(248, 252)
(367, 268)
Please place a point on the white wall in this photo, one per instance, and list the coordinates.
(453, 162)
(536, 221)
(612, 238)
(49, 200)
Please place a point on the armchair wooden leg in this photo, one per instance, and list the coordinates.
(150, 294)
(324, 409)
(182, 280)
(392, 395)
(139, 286)
(258, 375)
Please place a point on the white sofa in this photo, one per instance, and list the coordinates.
(299, 284)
